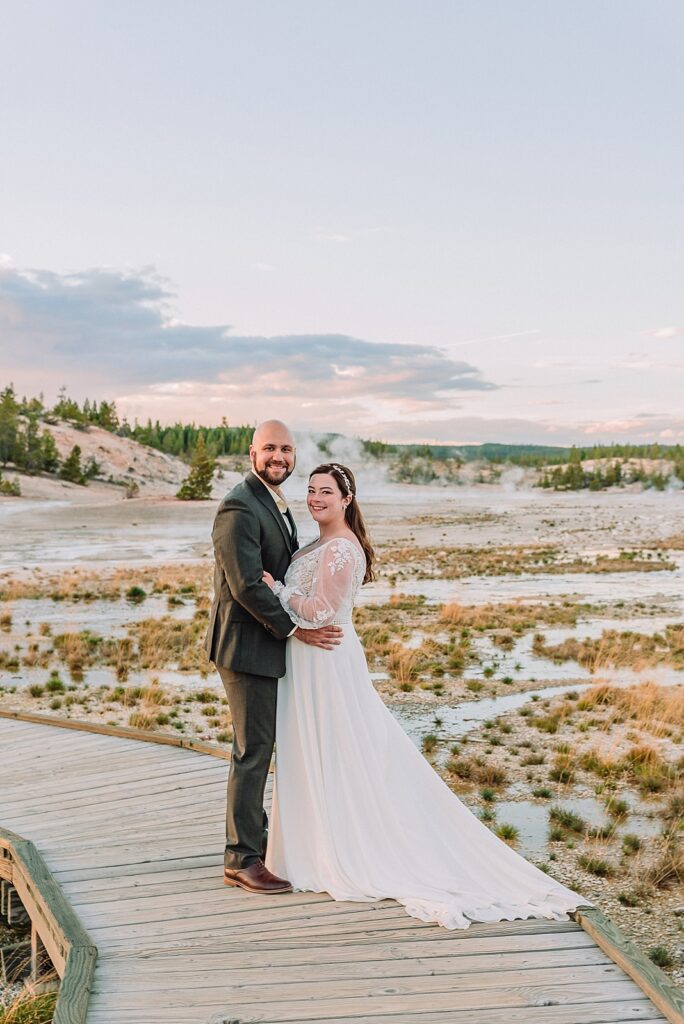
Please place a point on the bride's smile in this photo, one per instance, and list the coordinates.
(325, 501)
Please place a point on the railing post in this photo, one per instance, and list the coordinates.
(43, 977)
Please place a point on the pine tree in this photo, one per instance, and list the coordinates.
(68, 409)
(9, 422)
(107, 416)
(71, 469)
(33, 447)
(197, 487)
(49, 452)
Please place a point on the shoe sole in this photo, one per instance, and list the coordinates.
(258, 892)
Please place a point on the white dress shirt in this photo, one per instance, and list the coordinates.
(281, 505)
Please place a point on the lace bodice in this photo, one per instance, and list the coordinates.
(321, 584)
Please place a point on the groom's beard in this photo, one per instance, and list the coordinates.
(274, 475)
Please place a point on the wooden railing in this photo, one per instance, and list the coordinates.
(59, 943)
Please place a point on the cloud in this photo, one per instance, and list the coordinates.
(664, 333)
(324, 235)
(518, 430)
(643, 428)
(640, 361)
(109, 328)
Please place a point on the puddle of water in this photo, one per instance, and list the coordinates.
(521, 663)
(531, 818)
(649, 587)
(467, 716)
(96, 677)
(107, 618)
(169, 540)
(591, 629)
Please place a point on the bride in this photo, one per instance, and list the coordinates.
(357, 810)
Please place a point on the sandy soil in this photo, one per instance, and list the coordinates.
(42, 523)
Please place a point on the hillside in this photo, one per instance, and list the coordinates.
(122, 461)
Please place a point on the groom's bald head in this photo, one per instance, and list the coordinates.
(272, 452)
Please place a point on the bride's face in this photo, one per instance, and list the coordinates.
(324, 499)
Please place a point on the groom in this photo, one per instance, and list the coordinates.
(254, 531)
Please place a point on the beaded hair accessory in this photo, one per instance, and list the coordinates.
(347, 482)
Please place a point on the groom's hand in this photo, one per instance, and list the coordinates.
(327, 637)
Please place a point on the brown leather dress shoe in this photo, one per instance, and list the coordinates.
(256, 878)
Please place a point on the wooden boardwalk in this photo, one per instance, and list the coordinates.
(133, 833)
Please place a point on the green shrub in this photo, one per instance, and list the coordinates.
(429, 743)
(661, 956)
(596, 865)
(631, 843)
(567, 819)
(509, 833)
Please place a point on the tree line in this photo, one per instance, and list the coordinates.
(27, 443)
(574, 476)
(178, 439)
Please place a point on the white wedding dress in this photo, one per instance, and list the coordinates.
(357, 810)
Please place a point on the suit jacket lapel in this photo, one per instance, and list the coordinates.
(294, 544)
(262, 493)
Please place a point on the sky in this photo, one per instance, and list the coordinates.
(438, 220)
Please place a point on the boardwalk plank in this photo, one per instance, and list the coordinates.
(308, 986)
(141, 862)
(110, 977)
(300, 1010)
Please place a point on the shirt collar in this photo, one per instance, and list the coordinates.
(281, 504)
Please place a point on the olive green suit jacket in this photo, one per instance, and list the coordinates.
(248, 625)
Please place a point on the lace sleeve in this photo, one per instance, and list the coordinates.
(332, 585)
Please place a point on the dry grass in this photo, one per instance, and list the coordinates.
(91, 584)
(405, 664)
(456, 562)
(477, 771)
(642, 765)
(668, 868)
(652, 708)
(151, 644)
(514, 615)
(619, 649)
(376, 639)
(142, 720)
(563, 768)
(167, 641)
(675, 542)
(26, 1008)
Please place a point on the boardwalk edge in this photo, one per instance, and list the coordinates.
(122, 731)
(651, 980)
(54, 923)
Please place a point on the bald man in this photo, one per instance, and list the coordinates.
(254, 531)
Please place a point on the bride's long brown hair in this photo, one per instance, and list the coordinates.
(344, 479)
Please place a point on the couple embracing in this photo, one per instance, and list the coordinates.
(357, 810)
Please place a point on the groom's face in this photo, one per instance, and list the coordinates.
(272, 453)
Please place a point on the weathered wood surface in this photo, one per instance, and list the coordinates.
(134, 836)
(56, 932)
